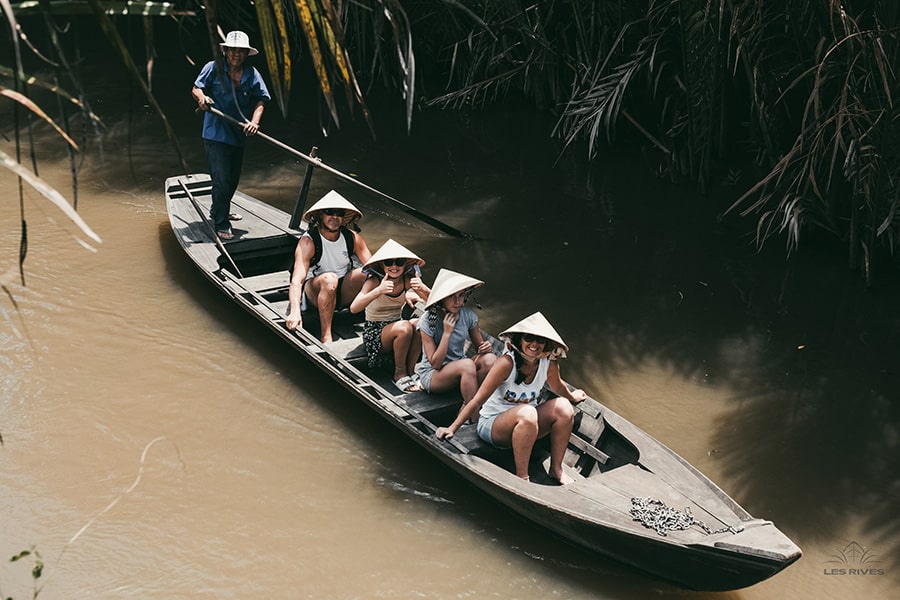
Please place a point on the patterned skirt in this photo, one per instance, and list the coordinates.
(372, 342)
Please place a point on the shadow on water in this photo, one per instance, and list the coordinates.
(820, 403)
(633, 270)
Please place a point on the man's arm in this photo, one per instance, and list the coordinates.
(252, 126)
(203, 101)
(302, 256)
(360, 249)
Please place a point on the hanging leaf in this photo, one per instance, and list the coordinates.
(48, 192)
(27, 103)
(312, 41)
(276, 47)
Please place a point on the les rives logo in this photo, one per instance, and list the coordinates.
(854, 559)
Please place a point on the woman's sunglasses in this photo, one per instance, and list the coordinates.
(529, 338)
(334, 212)
(394, 262)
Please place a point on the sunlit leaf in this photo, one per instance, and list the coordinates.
(27, 103)
(329, 23)
(56, 89)
(48, 192)
(276, 47)
(312, 40)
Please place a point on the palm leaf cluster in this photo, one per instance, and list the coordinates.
(841, 170)
(806, 88)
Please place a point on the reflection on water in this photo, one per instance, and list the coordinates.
(777, 380)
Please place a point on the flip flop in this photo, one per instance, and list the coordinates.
(408, 384)
(225, 235)
(234, 217)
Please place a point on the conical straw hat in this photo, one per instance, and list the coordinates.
(332, 200)
(448, 283)
(537, 324)
(391, 249)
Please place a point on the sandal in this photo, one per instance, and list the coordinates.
(234, 217)
(225, 235)
(408, 384)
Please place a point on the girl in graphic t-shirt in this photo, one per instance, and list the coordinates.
(511, 408)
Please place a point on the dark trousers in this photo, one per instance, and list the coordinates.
(225, 163)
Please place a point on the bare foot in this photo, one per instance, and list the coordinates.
(562, 478)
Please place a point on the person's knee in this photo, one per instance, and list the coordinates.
(466, 367)
(405, 329)
(327, 283)
(527, 416)
(563, 409)
(526, 426)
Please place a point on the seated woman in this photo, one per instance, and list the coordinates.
(392, 282)
(512, 414)
(444, 329)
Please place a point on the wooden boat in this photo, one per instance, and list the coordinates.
(625, 479)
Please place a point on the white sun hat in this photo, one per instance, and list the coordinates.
(332, 200)
(537, 324)
(392, 249)
(448, 283)
(238, 39)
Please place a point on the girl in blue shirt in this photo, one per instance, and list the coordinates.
(444, 328)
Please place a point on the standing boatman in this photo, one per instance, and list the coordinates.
(238, 90)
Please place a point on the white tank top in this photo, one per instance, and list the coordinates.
(334, 258)
(509, 393)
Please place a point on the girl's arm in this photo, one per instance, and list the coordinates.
(482, 345)
(372, 288)
(436, 353)
(560, 388)
(497, 375)
(416, 291)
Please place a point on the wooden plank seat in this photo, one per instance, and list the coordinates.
(351, 349)
(425, 403)
(268, 282)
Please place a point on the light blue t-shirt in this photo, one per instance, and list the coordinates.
(456, 348)
(251, 90)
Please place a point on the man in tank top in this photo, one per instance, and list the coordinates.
(327, 274)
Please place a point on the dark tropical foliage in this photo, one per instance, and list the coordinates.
(803, 88)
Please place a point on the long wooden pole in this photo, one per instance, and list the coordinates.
(212, 230)
(318, 163)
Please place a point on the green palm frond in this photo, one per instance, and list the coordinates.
(601, 93)
(277, 49)
(844, 160)
(308, 26)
